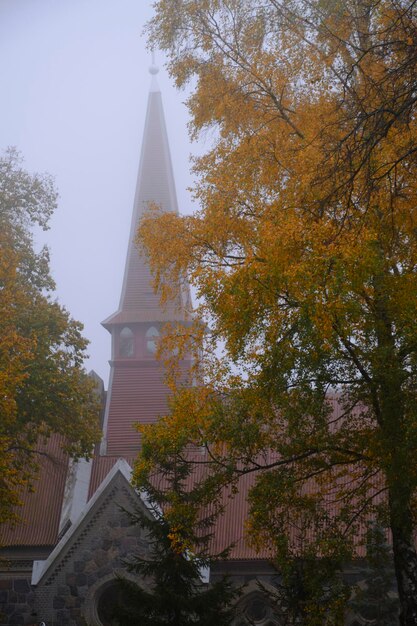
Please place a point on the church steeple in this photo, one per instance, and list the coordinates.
(136, 389)
(155, 184)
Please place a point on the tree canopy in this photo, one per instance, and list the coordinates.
(43, 386)
(303, 256)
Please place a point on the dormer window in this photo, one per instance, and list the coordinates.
(152, 335)
(126, 343)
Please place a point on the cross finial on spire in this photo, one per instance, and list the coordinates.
(153, 68)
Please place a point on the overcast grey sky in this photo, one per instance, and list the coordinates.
(74, 81)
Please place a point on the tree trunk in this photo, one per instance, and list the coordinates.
(405, 562)
(398, 459)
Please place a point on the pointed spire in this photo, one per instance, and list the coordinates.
(137, 391)
(155, 184)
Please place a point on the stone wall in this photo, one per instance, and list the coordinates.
(68, 597)
(16, 601)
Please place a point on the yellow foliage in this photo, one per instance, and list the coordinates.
(43, 387)
(303, 255)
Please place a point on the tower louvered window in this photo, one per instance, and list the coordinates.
(126, 343)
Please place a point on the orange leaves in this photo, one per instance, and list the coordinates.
(303, 256)
(16, 350)
(43, 387)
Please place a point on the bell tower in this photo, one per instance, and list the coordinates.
(136, 387)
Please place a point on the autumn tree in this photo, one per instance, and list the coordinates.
(43, 386)
(303, 256)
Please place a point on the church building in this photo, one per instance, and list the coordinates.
(60, 565)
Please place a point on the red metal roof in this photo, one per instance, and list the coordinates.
(101, 467)
(41, 509)
(231, 526)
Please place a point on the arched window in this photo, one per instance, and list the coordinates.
(110, 597)
(152, 335)
(126, 342)
(255, 609)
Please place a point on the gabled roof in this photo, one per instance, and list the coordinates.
(118, 477)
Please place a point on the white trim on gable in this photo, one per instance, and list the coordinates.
(41, 567)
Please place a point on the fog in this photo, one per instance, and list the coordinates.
(74, 79)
